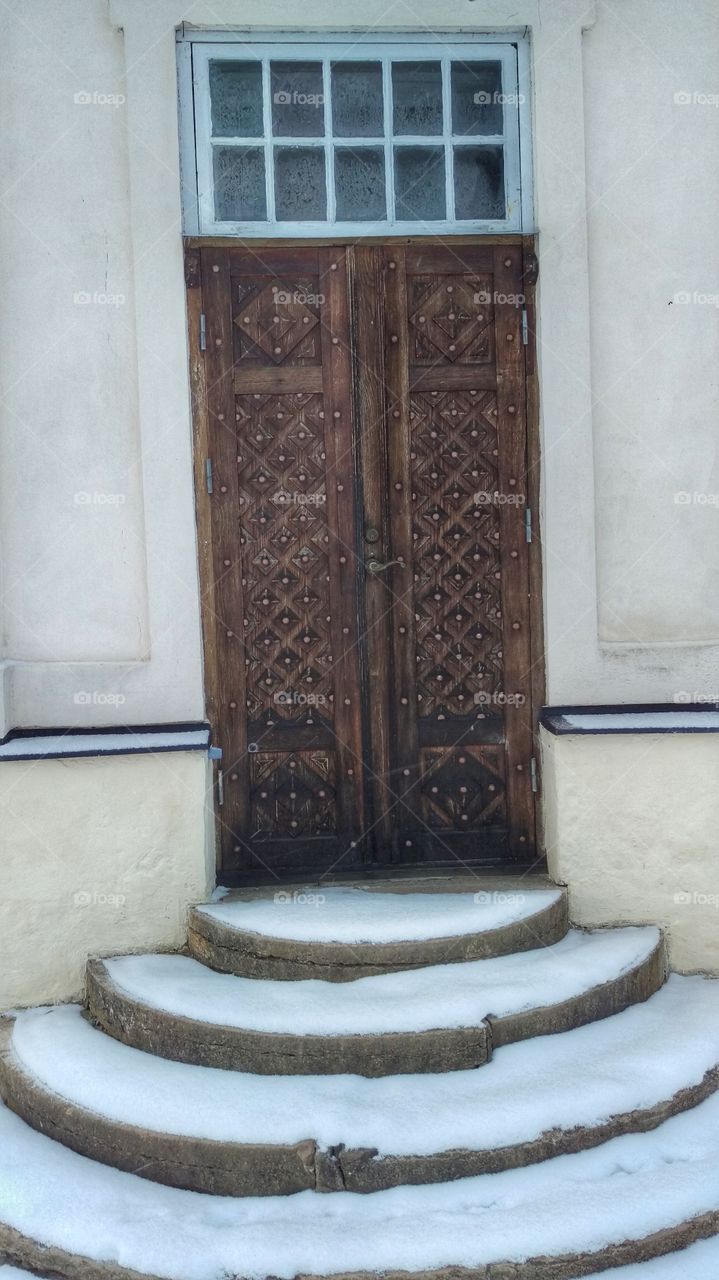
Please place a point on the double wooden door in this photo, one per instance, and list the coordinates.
(362, 464)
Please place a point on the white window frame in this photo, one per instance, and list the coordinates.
(197, 50)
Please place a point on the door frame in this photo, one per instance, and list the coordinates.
(201, 452)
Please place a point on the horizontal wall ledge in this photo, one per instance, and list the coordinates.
(643, 717)
(55, 744)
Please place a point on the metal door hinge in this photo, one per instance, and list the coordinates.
(208, 474)
(220, 788)
(203, 333)
(533, 774)
(528, 524)
(525, 326)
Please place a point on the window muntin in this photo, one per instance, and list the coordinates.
(411, 138)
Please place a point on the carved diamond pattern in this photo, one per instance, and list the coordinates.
(456, 552)
(276, 320)
(448, 318)
(281, 475)
(462, 789)
(293, 794)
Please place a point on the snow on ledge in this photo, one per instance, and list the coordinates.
(100, 742)
(675, 719)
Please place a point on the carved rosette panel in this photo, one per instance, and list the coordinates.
(284, 540)
(463, 789)
(455, 533)
(293, 794)
(451, 319)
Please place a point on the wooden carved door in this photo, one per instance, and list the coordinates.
(367, 629)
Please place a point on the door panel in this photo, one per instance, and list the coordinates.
(279, 400)
(367, 403)
(460, 619)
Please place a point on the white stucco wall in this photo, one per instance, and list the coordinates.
(652, 126)
(97, 856)
(626, 199)
(100, 609)
(632, 827)
(96, 505)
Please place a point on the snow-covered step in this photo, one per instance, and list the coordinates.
(698, 1261)
(632, 1197)
(234, 1134)
(441, 1018)
(342, 932)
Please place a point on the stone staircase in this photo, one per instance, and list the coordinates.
(522, 1099)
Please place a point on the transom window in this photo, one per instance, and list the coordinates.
(357, 138)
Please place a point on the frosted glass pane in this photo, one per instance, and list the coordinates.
(477, 97)
(298, 109)
(236, 99)
(357, 100)
(479, 182)
(239, 177)
(417, 97)
(359, 184)
(300, 188)
(419, 182)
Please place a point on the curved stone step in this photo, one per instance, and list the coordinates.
(631, 1199)
(232, 1134)
(342, 932)
(698, 1261)
(442, 1018)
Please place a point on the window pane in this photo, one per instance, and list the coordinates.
(300, 189)
(419, 184)
(417, 96)
(236, 99)
(298, 109)
(357, 100)
(477, 97)
(479, 182)
(359, 184)
(239, 177)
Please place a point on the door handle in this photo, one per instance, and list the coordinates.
(377, 566)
